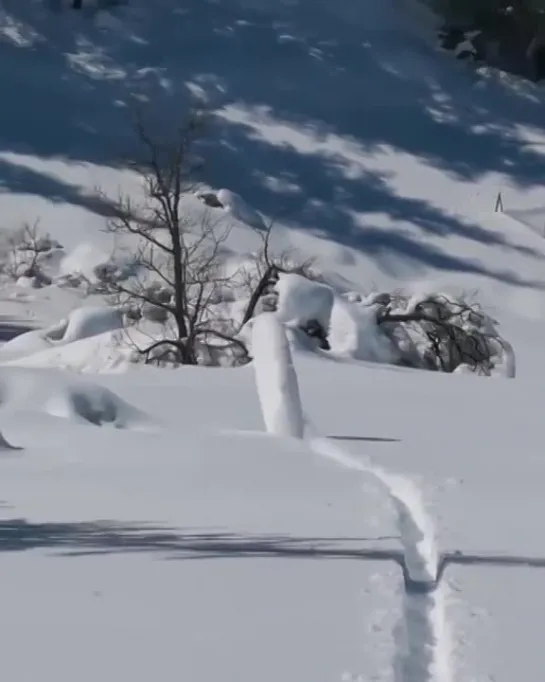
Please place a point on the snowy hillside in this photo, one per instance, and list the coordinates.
(388, 526)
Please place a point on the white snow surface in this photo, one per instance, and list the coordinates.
(149, 528)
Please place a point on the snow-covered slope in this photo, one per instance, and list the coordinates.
(198, 535)
(148, 528)
(383, 157)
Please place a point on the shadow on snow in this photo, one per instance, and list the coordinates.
(316, 71)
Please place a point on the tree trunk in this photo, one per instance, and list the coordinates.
(188, 355)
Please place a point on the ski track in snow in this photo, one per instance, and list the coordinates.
(423, 637)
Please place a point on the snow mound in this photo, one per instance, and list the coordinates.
(27, 343)
(93, 404)
(354, 333)
(83, 260)
(86, 322)
(104, 353)
(301, 301)
(235, 205)
(89, 264)
(68, 397)
(82, 323)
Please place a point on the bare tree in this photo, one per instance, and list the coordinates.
(179, 278)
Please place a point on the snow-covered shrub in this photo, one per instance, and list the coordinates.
(89, 267)
(233, 203)
(112, 271)
(28, 257)
(441, 332)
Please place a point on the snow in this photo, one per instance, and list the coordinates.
(276, 379)
(355, 334)
(176, 524)
(301, 301)
(82, 323)
(239, 209)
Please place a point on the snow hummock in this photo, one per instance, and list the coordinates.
(235, 205)
(81, 323)
(83, 260)
(354, 332)
(67, 397)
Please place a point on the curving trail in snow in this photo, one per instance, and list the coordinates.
(423, 639)
(415, 527)
(423, 635)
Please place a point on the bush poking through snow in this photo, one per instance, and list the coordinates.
(439, 332)
(26, 254)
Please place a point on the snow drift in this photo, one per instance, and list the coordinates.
(82, 323)
(67, 397)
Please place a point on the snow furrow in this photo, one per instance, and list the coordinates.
(423, 638)
(415, 528)
(423, 642)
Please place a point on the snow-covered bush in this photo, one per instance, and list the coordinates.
(28, 256)
(90, 268)
(234, 204)
(441, 332)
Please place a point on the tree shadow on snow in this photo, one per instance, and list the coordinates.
(108, 537)
(78, 539)
(314, 72)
